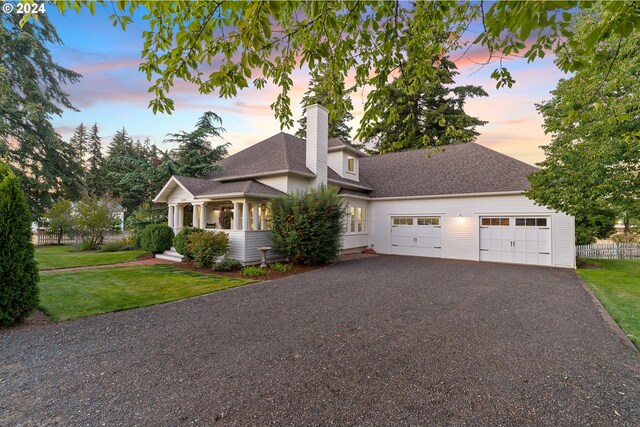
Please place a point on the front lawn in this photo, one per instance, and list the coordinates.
(80, 293)
(617, 286)
(50, 257)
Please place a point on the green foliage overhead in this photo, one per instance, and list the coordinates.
(430, 114)
(307, 227)
(207, 247)
(18, 268)
(593, 162)
(224, 47)
(31, 92)
(156, 238)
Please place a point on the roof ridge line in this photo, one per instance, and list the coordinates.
(284, 149)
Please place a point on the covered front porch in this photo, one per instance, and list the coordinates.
(246, 221)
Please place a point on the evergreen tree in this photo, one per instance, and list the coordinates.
(339, 112)
(80, 143)
(95, 164)
(195, 155)
(413, 114)
(18, 268)
(30, 93)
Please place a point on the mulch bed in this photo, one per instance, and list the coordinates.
(273, 274)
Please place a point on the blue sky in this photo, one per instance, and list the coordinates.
(113, 93)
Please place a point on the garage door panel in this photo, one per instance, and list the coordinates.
(515, 239)
(417, 236)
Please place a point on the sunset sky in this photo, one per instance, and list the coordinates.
(113, 93)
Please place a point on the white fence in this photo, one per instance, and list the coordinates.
(44, 238)
(609, 250)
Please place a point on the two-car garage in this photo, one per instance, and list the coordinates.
(509, 239)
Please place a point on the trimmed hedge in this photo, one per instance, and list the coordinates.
(182, 239)
(156, 238)
(307, 226)
(18, 267)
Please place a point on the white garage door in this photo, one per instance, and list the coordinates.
(518, 240)
(418, 235)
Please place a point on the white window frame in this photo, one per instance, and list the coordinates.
(356, 220)
(351, 160)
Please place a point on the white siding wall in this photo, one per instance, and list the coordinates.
(277, 182)
(461, 239)
(337, 161)
(334, 161)
(179, 196)
(297, 183)
(254, 240)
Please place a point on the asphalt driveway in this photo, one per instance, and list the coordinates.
(378, 341)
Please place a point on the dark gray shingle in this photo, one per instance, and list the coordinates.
(459, 169)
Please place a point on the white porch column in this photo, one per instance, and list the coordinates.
(245, 215)
(194, 215)
(203, 216)
(263, 210)
(236, 215)
(170, 220)
(256, 216)
(180, 217)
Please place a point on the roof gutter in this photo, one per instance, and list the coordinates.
(451, 196)
(262, 175)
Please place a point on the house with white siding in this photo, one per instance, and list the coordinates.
(461, 202)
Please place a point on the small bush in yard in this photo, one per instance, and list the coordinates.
(113, 247)
(228, 264)
(207, 247)
(253, 271)
(18, 267)
(181, 240)
(307, 227)
(156, 238)
(282, 268)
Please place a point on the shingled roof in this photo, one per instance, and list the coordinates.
(279, 153)
(458, 169)
(208, 187)
(455, 169)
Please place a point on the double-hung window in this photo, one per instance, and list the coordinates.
(356, 220)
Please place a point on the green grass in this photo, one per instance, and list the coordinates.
(617, 286)
(50, 257)
(81, 293)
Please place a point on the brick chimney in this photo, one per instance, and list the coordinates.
(317, 142)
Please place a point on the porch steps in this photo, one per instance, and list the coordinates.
(171, 255)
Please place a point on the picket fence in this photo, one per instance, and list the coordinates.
(44, 238)
(609, 250)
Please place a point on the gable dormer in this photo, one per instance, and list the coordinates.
(344, 159)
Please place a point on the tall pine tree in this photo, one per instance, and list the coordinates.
(338, 116)
(30, 94)
(80, 143)
(94, 175)
(414, 114)
(195, 154)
